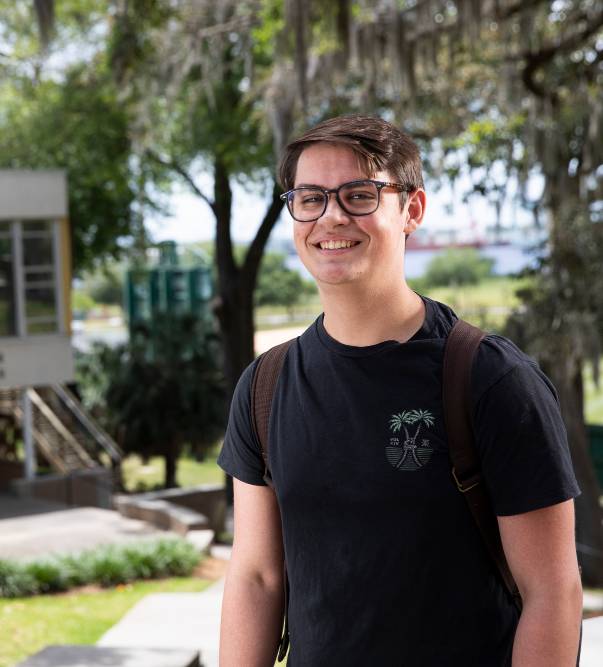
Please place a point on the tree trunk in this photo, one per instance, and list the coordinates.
(567, 378)
(171, 462)
(236, 285)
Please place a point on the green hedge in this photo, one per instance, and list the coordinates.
(106, 565)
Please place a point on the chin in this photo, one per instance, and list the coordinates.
(335, 278)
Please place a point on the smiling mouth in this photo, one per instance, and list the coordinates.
(336, 245)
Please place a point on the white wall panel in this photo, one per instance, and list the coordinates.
(32, 194)
(35, 360)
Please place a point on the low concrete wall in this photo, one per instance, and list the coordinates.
(9, 471)
(83, 488)
(208, 500)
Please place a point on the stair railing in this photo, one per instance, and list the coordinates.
(99, 435)
(47, 423)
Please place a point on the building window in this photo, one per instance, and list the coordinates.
(38, 277)
(29, 291)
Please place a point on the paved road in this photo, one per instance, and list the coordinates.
(82, 340)
(266, 339)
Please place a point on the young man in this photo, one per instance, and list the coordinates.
(384, 560)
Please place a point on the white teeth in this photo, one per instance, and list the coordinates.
(335, 245)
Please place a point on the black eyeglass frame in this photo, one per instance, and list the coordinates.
(379, 184)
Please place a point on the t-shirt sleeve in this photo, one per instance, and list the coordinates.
(241, 456)
(522, 441)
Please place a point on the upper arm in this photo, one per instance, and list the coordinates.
(257, 551)
(540, 548)
(520, 436)
(258, 543)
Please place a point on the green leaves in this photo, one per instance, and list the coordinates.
(77, 125)
(106, 565)
(457, 266)
(161, 391)
(278, 285)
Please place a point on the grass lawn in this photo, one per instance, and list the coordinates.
(593, 396)
(29, 624)
(486, 304)
(276, 317)
(138, 476)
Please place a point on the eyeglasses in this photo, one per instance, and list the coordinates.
(309, 202)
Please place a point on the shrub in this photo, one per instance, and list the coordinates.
(15, 581)
(49, 575)
(110, 566)
(458, 266)
(77, 569)
(177, 557)
(144, 561)
(107, 566)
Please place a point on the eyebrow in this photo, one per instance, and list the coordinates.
(315, 185)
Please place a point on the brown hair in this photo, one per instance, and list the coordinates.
(379, 145)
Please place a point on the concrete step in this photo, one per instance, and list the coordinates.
(201, 539)
(161, 513)
(173, 620)
(92, 656)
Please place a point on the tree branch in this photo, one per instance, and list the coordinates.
(227, 268)
(537, 59)
(238, 24)
(174, 166)
(45, 17)
(504, 14)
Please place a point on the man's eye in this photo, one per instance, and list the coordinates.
(312, 199)
(360, 195)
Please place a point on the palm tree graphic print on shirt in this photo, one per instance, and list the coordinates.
(410, 453)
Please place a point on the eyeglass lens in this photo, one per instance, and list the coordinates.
(360, 198)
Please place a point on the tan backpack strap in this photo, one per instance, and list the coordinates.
(461, 347)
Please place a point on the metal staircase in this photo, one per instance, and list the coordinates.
(63, 433)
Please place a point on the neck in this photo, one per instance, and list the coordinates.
(371, 316)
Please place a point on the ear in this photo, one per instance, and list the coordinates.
(415, 210)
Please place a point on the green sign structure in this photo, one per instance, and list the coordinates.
(168, 288)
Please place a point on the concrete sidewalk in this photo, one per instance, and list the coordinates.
(69, 530)
(192, 621)
(592, 643)
(173, 620)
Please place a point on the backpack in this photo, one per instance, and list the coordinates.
(461, 345)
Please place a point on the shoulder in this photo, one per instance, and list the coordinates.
(243, 388)
(498, 360)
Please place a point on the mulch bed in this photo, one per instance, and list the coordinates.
(211, 568)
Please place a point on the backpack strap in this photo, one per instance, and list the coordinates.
(265, 377)
(461, 347)
(263, 385)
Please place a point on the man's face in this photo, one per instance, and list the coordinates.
(376, 255)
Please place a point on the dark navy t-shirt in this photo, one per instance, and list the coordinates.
(385, 563)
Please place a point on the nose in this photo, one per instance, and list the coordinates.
(334, 214)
